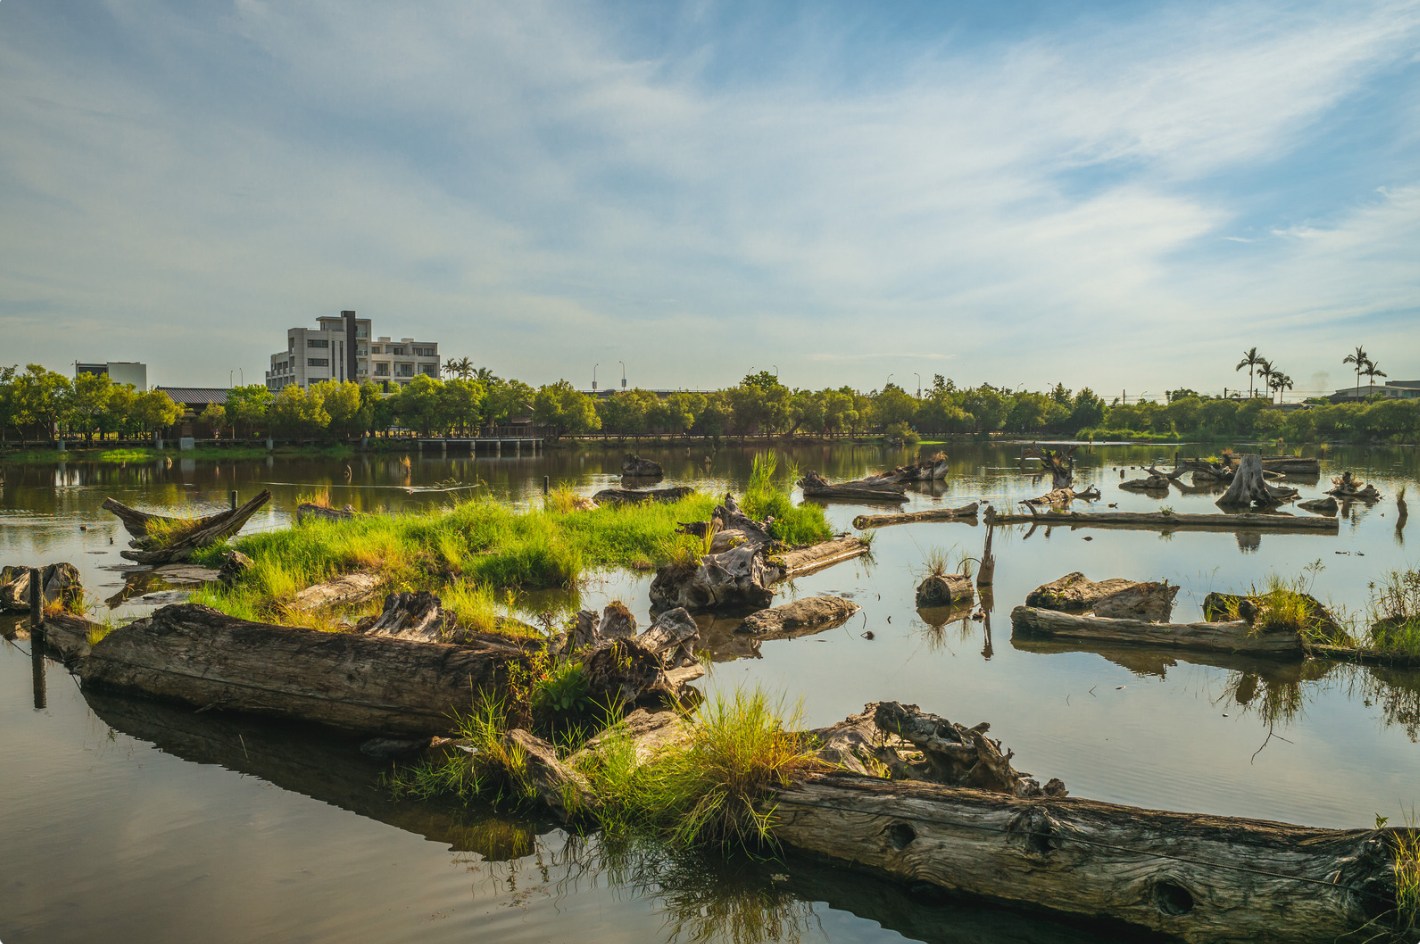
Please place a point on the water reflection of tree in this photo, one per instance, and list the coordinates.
(1395, 691)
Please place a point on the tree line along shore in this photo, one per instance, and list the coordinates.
(39, 406)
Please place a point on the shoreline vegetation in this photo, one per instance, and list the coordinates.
(38, 406)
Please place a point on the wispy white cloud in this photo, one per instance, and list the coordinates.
(540, 190)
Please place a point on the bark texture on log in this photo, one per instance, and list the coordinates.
(310, 510)
(234, 565)
(800, 618)
(60, 584)
(1233, 636)
(184, 538)
(964, 513)
(631, 496)
(807, 560)
(944, 590)
(1199, 878)
(1115, 597)
(559, 787)
(420, 617)
(1246, 521)
(344, 590)
(357, 682)
(652, 667)
(1063, 496)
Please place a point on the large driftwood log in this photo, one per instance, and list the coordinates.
(1198, 878)
(420, 617)
(310, 510)
(1249, 488)
(807, 560)
(357, 682)
(1233, 636)
(965, 513)
(1114, 598)
(1320, 506)
(800, 618)
(60, 585)
(631, 496)
(869, 489)
(1161, 521)
(181, 537)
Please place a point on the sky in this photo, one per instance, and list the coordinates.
(1125, 196)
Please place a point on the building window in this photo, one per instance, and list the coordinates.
(382, 370)
(430, 370)
(317, 342)
(397, 349)
(424, 352)
(404, 370)
(317, 362)
(376, 349)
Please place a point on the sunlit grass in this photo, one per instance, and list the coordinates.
(767, 496)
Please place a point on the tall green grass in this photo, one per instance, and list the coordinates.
(1395, 614)
(767, 495)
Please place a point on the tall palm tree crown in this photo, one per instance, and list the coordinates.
(1250, 359)
(1360, 359)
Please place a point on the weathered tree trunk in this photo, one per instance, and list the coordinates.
(184, 539)
(623, 496)
(965, 513)
(1321, 506)
(344, 590)
(1156, 482)
(1201, 879)
(800, 618)
(1249, 489)
(806, 560)
(944, 590)
(357, 682)
(1063, 496)
(1115, 598)
(860, 490)
(1167, 522)
(421, 617)
(986, 573)
(60, 583)
(559, 787)
(1235, 636)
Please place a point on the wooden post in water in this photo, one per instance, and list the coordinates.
(37, 637)
(546, 484)
(233, 498)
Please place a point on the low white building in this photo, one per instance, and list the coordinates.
(340, 348)
(134, 373)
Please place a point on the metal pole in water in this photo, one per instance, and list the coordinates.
(37, 638)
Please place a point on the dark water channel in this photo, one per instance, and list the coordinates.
(124, 820)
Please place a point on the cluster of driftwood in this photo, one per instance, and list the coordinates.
(60, 585)
(741, 564)
(889, 486)
(179, 537)
(1165, 521)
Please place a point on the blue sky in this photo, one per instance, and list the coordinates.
(1121, 195)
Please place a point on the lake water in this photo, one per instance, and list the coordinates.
(125, 820)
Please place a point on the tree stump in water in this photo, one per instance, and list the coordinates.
(808, 615)
(1347, 487)
(1249, 487)
(60, 584)
(1320, 506)
(1116, 598)
(636, 467)
(944, 590)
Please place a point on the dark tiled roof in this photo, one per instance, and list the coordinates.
(196, 396)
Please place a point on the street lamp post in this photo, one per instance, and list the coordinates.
(594, 376)
(623, 374)
(919, 384)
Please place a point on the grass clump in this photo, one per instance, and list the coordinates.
(713, 790)
(1405, 849)
(163, 532)
(483, 765)
(767, 496)
(1395, 614)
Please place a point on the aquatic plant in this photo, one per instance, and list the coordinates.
(767, 494)
(482, 764)
(1395, 614)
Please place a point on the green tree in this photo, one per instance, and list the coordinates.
(247, 408)
(893, 405)
(416, 406)
(9, 403)
(461, 404)
(1361, 360)
(344, 407)
(88, 401)
(1372, 371)
(1249, 360)
(154, 410)
(563, 409)
(41, 395)
(298, 412)
(215, 416)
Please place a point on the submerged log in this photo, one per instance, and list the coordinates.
(1249, 488)
(1168, 522)
(1321, 506)
(636, 467)
(965, 513)
(800, 618)
(624, 496)
(357, 682)
(860, 490)
(60, 584)
(1254, 609)
(179, 537)
(1198, 878)
(1232, 636)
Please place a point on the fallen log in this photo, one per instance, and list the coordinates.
(59, 582)
(344, 590)
(800, 618)
(179, 537)
(1320, 506)
(420, 617)
(356, 682)
(1292, 465)
(860, 490)
(806, 560)
(1063, 496)
(938, 590)
(1116, 597)
(625, 496)
(308, 510)
(965, 513)
(653, 667)
(1245, 521)
(1231, 636)
(1197, 878)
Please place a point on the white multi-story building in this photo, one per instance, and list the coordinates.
(340, 348)
(134, 373)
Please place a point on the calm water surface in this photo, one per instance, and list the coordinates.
(125, 820)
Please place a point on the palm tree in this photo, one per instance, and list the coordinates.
(484, 376)
(1360, 359)
(461, 367)
(1372, 371)
(1264, 371)
(1279, 381)
(1250, 359)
